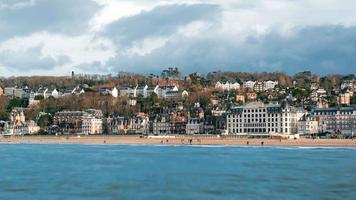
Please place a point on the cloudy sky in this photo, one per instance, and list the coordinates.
(54, 37)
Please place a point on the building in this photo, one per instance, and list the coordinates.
(194, 126)
(270, 85)
(166, 91)
(322, 103)
(161, 125)
(258, 119)
(240, 99)
(345, 98)
(69, 122)
(348, 84)
(79, 122)
(258, 87)
(15, 92)
(18, 124)
(125, 125)
(336, 120)
(92, 125)
(114, 92)
(308, 125)
(227, 86)
(249, 84)
(251, 96)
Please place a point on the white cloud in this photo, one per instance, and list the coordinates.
(78, 49)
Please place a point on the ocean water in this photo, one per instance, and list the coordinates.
(75, 171)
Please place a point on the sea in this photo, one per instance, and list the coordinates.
(84, 171)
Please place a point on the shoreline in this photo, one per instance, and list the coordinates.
(179, 140)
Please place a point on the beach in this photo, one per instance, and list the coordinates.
(178, 140)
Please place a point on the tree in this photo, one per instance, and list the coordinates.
(44, 120)
(17, 102)
(39, 97)
(353, 99)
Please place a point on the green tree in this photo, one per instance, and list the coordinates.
(39, 97)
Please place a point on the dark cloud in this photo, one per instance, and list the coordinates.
(59, 16)
(324, 49)
(160, 21)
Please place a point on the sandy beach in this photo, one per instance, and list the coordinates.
(179, 140)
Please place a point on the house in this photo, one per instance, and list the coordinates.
(227, 86)
(195, 126)
(322, 103)
(128, 91)
(114, 92)
(249, 84)
(251, 96)
(314, 86)
(185, 94)
(15, 92)
(240, 99)
(161, 125)
(92, 125)
(1, 91)
(258, 86)
(166, 91)
(345, 98)
(348, 84)
(270, 85)
(18, 124)
(308, 125)
(336, 120)
(79, 122)
(127, 125)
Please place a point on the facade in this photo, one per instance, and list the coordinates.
(308, 125)
(348, 84)
(258, 119)
(18, 124)
(251, 96)
(195, 126)
(336, 120)
(161, 125)
(162, 91)
(270, 85)
(125, 125)
(227, 86)
(258, 87)
(114, 92)
(15, 92)
(240, 98)
(92, 125)
(345, 98)
(69, 122)
(249, 84)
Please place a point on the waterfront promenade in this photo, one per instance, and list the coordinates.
(179, 140)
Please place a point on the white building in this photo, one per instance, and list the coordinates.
(92, 125)
(114, 92)
(227, 86)
(249, 84)
(258, 119)
(308, 125)
(195, 126)
(269, 85)
(165, 91)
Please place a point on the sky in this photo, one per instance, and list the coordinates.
(55, 37)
